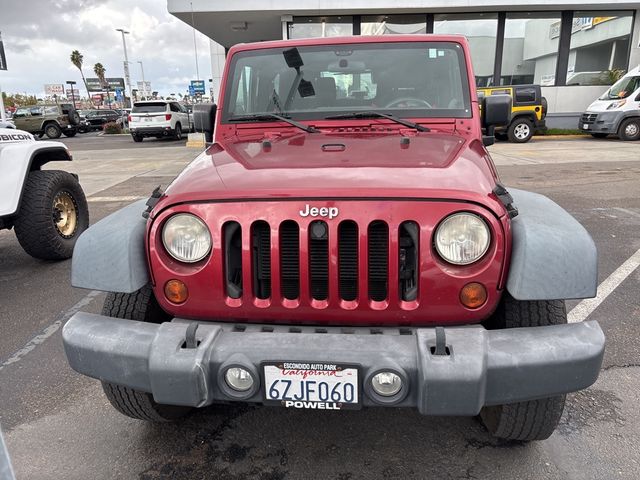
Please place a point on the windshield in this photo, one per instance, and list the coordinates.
(158, 107)
(622, 88)
(413, 79)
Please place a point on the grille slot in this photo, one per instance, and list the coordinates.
(290, 260)
(319, 260)
(348, 260)
(261, 259)
(408, 239)
(378, 265)
(232, 234)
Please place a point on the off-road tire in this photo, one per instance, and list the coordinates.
(535, 419)
(70, 133)
(136, 138)
(599, 135)
(52, 130)
(74, 116)
(629, 129)
(35, 225)
(143, 307)
(178, 132)
(517, 126)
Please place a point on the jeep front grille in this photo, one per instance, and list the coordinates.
(344, 270)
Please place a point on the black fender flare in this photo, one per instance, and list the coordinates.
(553, 257)
(110, 255)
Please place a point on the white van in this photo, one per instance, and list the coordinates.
(617, 111)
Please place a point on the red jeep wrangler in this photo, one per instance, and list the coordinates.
(344, 242)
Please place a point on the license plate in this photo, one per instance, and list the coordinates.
(320, 386)
(148, 119)
(585, 126)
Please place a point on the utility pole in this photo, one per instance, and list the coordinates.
(71, 84)
(195, 48)
(126, 64)
(144, 85)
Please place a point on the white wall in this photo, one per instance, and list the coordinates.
(217, 67)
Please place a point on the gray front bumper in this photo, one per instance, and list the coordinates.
(483, 367)
(605, 122)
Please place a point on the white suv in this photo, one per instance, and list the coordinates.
(158, 118)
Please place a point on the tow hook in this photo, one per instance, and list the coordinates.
(441, 343)
(190, 336)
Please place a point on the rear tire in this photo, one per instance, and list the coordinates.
(520, 130)
(52, 216)
(136, 138)
(143, 307)
(52, 130)
(629, 129)
(535, 419)
(70, 133)
(178, 132)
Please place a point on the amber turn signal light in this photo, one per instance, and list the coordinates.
(473, 295)
(176, 291)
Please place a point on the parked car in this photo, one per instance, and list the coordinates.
(527, 113)
(95, 119)
(49, 120)
(158, 118)
(617, 111)
(47, 209)
(334, 253)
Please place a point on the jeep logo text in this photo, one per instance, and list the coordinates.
(308, 210)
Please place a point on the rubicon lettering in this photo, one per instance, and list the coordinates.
(328, 212)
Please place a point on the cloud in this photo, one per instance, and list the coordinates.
(39, 40)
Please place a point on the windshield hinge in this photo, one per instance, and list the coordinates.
(507, 200)
(153, 200)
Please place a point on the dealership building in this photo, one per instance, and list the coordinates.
(571, 48)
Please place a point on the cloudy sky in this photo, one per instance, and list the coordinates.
(39, 36)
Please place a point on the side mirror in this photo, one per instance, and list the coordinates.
(204, 119)
(496, 112)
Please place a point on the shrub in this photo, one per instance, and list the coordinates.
(111, 128)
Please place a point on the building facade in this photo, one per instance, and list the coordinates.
(574, 53)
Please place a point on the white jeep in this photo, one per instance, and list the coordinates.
(47, 208)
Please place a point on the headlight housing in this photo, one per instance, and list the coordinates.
(462, 238)
(186, 238)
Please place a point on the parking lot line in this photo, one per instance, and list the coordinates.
(581, 311)
(50, 330)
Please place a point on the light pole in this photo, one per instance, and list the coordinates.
(126, 64)
(144, 85)
(71, 83)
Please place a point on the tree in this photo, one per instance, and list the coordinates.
(100, 71)
(77, 59)
(18, 100)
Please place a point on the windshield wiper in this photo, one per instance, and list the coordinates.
(262, 117)
(374, 114)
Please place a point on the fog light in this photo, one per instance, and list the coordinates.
(386, 384)
(176, 291)
(239, 379)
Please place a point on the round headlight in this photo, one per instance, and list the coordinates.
(186, 238)
(462, 238)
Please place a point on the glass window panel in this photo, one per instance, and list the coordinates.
(393, 24)
(599, 49)
(313, 27)
(530, 52)
(480, 29)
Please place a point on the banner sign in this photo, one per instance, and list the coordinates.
(54, 89)
(3, 59)
(198, 86)
(93, 84)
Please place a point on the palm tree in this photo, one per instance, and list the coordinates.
(77, 59)
(100, 71)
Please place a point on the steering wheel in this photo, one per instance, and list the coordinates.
(419, 101)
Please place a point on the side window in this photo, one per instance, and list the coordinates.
(525, 95)
(243, 99)
(174, 107)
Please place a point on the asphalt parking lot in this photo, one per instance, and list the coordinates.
(58, 424)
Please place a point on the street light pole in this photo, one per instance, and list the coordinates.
(126, 64)
(71, 83)
(144, 85)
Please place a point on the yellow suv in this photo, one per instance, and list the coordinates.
(527, 113)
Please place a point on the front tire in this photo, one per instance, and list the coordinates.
(52, 130)
(535, 419)
(599, 135)
(52, 216)
(143, 307)
(629, 129)
(520, 130)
